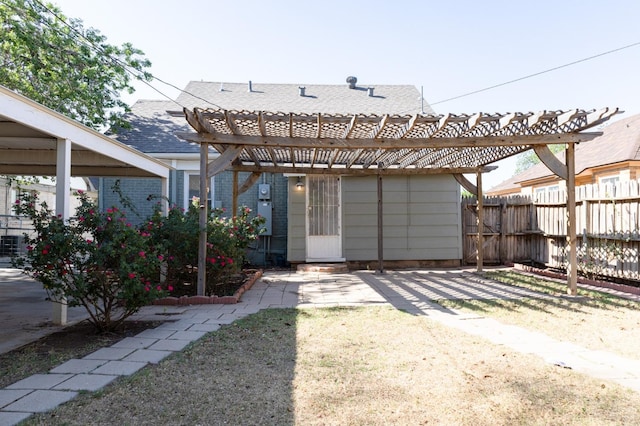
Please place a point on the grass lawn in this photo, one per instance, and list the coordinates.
(373, 366)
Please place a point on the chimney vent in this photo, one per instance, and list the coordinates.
(370, 90)
(301, 90)
(352, 82)
(250, 86)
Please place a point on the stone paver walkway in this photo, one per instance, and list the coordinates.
(410, 291)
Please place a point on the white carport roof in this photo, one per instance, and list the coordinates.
(29, 136)
(37, 141)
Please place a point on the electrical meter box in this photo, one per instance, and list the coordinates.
(265, 209)
(264, 191)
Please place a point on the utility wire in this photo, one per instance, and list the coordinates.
(135, 73)
(536, 74)
(138, 77)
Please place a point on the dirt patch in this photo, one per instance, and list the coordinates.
(75, 341)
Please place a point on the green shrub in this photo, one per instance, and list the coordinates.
(97, 260)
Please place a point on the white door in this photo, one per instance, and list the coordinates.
(324, 239)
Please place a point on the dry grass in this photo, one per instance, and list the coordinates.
(355, 366)
(595, 320)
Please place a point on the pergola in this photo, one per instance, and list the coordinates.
(379, 145)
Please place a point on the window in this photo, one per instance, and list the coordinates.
(610, 183)
(543, 190)
(611, 180)
(192, 188)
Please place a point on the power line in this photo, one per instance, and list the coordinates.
(536, 74)
(135, 73)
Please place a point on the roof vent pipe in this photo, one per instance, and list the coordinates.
(250, 86)
(301, 90)
(352, 82)
(370, 90)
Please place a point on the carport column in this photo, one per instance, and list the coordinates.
(572, 261)
(202, 222)
(165, 196)
(480, 250)
(63, 187)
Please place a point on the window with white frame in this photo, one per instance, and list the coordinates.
(542, 190)
(610, 184)
(192, 188)
(609, 180)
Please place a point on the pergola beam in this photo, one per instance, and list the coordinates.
(358, 172)
(551, 161)
(387, 143)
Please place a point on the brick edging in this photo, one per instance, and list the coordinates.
(208, 300)
(613, 286)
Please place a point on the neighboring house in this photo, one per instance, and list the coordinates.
(611, 158)
(13, 227)
(422, 224)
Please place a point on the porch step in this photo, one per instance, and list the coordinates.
(322, 268)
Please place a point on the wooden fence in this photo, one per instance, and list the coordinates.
(533, 229)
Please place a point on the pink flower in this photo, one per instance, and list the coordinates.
(17, 201)
(29, 248)
(132, 275)
(142, 254)
(170, 288)
(80, 191)
(45, 251)
(159, 288)
(160, 257)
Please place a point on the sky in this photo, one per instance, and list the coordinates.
(444, 48)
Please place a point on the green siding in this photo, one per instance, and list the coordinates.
(421, 218)
(296, 223)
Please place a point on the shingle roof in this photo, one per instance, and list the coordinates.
(153, 129)
(329, 99)
(619, 142)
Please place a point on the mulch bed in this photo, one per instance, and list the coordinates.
(249, 278)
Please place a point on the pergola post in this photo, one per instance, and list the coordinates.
(380, 233)
(202, 220)
(63, 187)
(234, 198)
(572, 258)
(480, 251)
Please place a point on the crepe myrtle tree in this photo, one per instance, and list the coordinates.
(96, 260)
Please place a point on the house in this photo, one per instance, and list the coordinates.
(367, 175)
(422, 223)
(611, 158)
